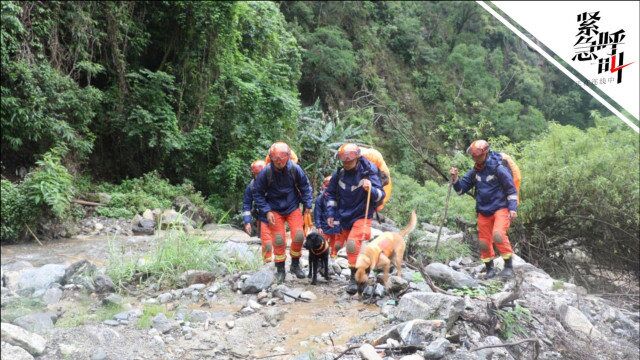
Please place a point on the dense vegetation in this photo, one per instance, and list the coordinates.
(97, 94)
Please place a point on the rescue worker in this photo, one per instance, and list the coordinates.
(346, 202)
(496, 203)
(278, 191)
(249, 214)
(320, 219)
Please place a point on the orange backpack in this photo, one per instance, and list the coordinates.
(507, 161)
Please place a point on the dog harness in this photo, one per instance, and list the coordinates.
(322, 248)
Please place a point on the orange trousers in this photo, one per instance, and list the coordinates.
(278, 237)
(492, 230)
(267, 242)
(360, 231)
(332, 243)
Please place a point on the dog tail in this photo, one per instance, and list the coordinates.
(412, 225)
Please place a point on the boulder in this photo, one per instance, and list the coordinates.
(14, 352)
(81, 273)
(445, 274)
(39, 323)
(41, 277)
(18, 336)
(258, 282)
(425, 305)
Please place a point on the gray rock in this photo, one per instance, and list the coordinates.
(199, 316)
(424, 305)
(113, 299)
(273, 315)
(162, 324)
(39, 323)
(443, 273)
(41, 277)
(574, 320)
(18, 336)
(493, 353)
(412, 357)
(103, 284)
(258, 282)
(397, 284)
(52, 296)
(414, 332)
(81, 273)
(437, 349)
(99, 354)
(14, 352)
(238, 251)
(368, 352)
(165, 298)
(144, 227)
(111, 322)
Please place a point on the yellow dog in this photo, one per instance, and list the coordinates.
(380, 252)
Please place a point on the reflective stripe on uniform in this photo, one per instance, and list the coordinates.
(246, 213)
(512, 197)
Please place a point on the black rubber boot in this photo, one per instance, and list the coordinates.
(295, 268)
(353, 287)
(507, 272)
(491, 271)
(280, 275)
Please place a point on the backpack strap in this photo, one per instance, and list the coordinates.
(292, 172)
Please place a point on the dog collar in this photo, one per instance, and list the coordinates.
(323, 248)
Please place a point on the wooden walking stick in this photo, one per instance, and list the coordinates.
(446, 207)
(366, 211)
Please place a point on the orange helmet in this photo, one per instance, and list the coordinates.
(478, 148)
(326, 180)
(279, 153)
(257, 166)
(348, 152)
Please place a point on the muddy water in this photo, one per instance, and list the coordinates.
(324, 315)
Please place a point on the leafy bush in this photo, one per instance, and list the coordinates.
(46, 190)
(150, 191)
(428, 200)
(583, 186)
(50, 185)
(514, 321)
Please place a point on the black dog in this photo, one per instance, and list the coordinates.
(318, 256)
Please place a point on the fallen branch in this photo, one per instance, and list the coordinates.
(425, 276)
(34, 236)
(536, 341)
(84, 202)
(273, 355)
(295, 298)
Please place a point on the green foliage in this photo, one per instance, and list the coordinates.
(583, 185)
(428, 200)
(50, 185)
(150, 191)
(20, 307)
(47, 190)
(447, 251)
(320, 136)
(513, 322)
(482, 291)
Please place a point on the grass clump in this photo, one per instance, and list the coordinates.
(20, 307)
(175, 253)
(149, 311)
